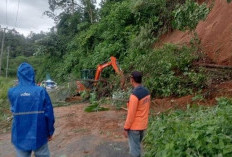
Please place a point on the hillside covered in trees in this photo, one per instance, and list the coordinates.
(86, 36)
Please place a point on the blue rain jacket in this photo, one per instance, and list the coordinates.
(32, 110)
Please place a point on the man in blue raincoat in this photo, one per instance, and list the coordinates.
(33, 122)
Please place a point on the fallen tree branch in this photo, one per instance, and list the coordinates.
(214, 66)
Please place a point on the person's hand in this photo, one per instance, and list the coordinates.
(125, 133)
(49, 138)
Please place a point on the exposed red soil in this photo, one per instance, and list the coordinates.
(162, 105)
(215, 34)
(219, 90)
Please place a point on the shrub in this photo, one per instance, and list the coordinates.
(95, 105)
(188, 15)
(167, 71)
(195, 132)
(120, 98)
(5, 84)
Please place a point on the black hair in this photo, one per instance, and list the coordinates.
(137, 76)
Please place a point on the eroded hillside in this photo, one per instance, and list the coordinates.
(215, 34)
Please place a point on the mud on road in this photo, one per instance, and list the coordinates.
(81, 134)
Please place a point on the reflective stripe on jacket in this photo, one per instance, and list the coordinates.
(138, 109)
(31, 107)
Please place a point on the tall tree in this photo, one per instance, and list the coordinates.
(86, 7)
(89, 10)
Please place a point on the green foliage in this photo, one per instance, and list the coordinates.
(127, 30)
(86, 7)
(85, 95)
(85, 37)
(167, 71)
(155, 12)
(20, 45)
(122, 28)
(229, 1)
(144, 10)
(120, 98)
(198, 97)
(144, 39)
(35, 61)
(95, 106)
(188, 15)
(223, 101)
(93, 97)
(195, 132)
(5, 84)
(96, 43)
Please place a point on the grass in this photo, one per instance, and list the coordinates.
(5, 115)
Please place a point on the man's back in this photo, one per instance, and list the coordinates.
(141, 117)
(32, 110)
(138, 109)
(137, 114)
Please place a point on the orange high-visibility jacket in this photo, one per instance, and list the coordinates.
(138, 109)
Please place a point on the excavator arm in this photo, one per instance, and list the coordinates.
(113, 63)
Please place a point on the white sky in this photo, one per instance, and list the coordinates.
(30, 15)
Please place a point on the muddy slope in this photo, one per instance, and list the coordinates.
(215, 34)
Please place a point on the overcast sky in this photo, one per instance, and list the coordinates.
(30, 15)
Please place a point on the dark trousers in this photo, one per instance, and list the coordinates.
(135, 139)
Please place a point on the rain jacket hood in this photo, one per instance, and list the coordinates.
(33, 117)
(26, 74)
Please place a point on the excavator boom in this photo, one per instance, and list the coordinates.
(113, 62)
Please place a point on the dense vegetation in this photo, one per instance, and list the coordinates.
(22, 49)
(20, 45)
(5, 84)
(86, 36)
(125, 29)
(195, 132)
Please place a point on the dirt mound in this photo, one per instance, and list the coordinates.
(215, 34)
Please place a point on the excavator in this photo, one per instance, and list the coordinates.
(87, 75)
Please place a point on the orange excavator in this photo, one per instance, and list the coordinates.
(113, 62)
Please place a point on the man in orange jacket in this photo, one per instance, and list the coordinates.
(137, 115)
